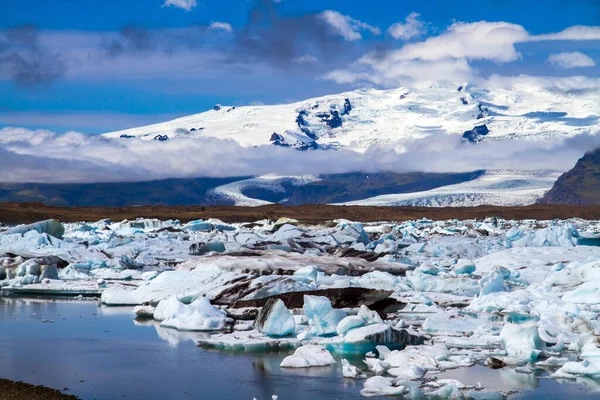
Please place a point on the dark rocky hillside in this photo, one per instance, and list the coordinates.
(579, 186)
(197, 191)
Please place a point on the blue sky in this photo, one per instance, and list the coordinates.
(96, 66)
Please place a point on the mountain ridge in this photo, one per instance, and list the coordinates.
(358, 119)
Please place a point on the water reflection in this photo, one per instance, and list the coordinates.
(94, 345)
(513, 380)
(171, 336)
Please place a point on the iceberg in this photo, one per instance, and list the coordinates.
(275, 319)
(590, 366)
(322, 317)
(50, 226)
(464, 267)
(522, 341)
(350, 371)
(382, 386)
(364, 317)
(309, 355)
(200, 315)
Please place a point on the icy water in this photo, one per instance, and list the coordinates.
(102, 353)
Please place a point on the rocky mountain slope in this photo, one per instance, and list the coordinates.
(580, 185)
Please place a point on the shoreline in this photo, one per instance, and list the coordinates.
(17, 390)
(311, 214)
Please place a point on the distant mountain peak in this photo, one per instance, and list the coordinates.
(360, 118)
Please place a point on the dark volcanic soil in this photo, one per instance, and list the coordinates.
(13, 213)
(11, 390)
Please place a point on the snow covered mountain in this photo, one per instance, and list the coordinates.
(361, 118)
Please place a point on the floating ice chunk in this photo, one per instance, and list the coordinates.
(287, 232)
(514, 233)
(552, 362)
(381, 280)
(429, 269)
(383, 351)
(351, 233)
(350, 322)
(377, 366)
(410, 372)
(350, 371)
(590, 366)
(72, 273)
(462, 285)
(309, 355)
(500, 301)
(200, 315)
(464, 267)
(275, 319)
(493, 282)
(586, 293)
(126, 262)
(415, 360)
(415, 248)
(198, 226)
(198, 249)
(522, 341)
(380, 334)
(50, 226)
(564, 236)
(144, 311)
(148, 276)
(451, 323)
(323, 318)
(446, 392)
(307, 274)
(381, 386)
(250, 341)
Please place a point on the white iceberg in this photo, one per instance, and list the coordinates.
(322, 317)
(275, 319)
(309, 355)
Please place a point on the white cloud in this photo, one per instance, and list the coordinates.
(187, 5)
(577, 32)
(573, 59)
(221, 25)
(389, 71)
(478, 40)
(347, 27)
(440, 58)
(306, 58)
(34, 156)
(447, 56)
(412, 27)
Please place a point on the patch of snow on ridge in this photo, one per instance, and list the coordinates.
(273, 183)
(384, 117)
(495, 187)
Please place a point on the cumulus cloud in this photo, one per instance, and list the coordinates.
(573, 59)
(42, 156)
(478, 40)
(411, 27)
(453, 51)
(349, 28)
(186, 5)
(391, 71)
(221, 25)
(577, 32)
